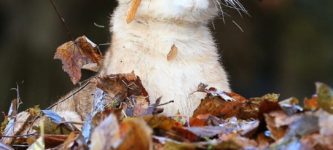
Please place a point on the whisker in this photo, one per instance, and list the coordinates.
(237, 25)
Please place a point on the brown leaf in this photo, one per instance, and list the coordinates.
(272, 120)
(54, 140)
(132, 11)
(216, 106)
(179, 146)
(160, 122)
(141, 105)
(311, 104)
(136, 133)
(107, 134)
(68, 143)
(172, 53)
(263, 141)
(89, 49)
(126, 89)
(122, 85)
(317, 142)
(75, 54)
(100, 116)
(196, 122)
(168, 127)
(235, 141)
(132, 133)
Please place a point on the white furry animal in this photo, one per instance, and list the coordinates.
(143, 45)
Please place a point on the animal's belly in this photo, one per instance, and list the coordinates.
(173, 80)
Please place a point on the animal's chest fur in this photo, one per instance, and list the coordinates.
(143, 47)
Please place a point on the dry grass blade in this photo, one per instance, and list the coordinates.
(132, 11)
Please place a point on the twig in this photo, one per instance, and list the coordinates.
(169, 102)
(16, 136)
(62, 20)
(69, 96)
(72, 122)
(104, 44)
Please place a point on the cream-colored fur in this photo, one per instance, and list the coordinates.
(142, 46)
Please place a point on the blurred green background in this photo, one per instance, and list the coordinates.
(286, 46)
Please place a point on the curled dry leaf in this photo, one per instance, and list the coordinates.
(76, 54)
(132, 11)
(172, 53)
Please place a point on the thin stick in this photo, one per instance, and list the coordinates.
(172, 101)
(16, 136)
(62, 20)
(66, 98)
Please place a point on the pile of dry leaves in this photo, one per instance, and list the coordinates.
(122, 117)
